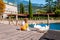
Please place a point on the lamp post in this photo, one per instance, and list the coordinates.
(16, 15)
(16, 19)
(10, 19)
(48, 19)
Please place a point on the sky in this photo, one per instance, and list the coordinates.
(33, 1)
(37, 1)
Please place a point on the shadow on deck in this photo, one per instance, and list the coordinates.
(51, 35)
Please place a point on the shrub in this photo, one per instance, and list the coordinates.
(57, 12)
(41, 11)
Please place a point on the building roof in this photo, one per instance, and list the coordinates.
(33, 14)
(17, 14)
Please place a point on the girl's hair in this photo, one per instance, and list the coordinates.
(25, 19)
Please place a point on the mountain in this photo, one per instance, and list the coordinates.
(34, 6)
(24, 2)
(27, 3)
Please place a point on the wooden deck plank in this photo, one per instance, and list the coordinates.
(20, 34)
(35, 36)
(10, 33)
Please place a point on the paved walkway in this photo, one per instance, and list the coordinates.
(9, 32)
(29, 21)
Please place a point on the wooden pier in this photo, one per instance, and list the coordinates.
(9, 32)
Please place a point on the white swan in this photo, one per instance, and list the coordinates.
(40, 27)
(36, 26)
(44, 28)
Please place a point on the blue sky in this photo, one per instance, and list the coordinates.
(33, 1)
(37, 1)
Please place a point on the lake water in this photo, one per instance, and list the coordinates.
(53, 26)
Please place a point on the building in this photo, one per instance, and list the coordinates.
(11, 7)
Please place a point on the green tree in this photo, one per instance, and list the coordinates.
(2, 8)
(58, 4)
(54, 6)
(21, 8)
(30, 9)
(57, 12)
(49, 6)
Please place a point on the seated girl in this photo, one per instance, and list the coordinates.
(24, 25)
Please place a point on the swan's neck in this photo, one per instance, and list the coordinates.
(35, 24)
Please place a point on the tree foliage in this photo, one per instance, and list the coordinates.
(21, 8)
(57, 7)
(2, 7)
(49, 6)
(57, 12)
(58, 4)
(30, 9)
